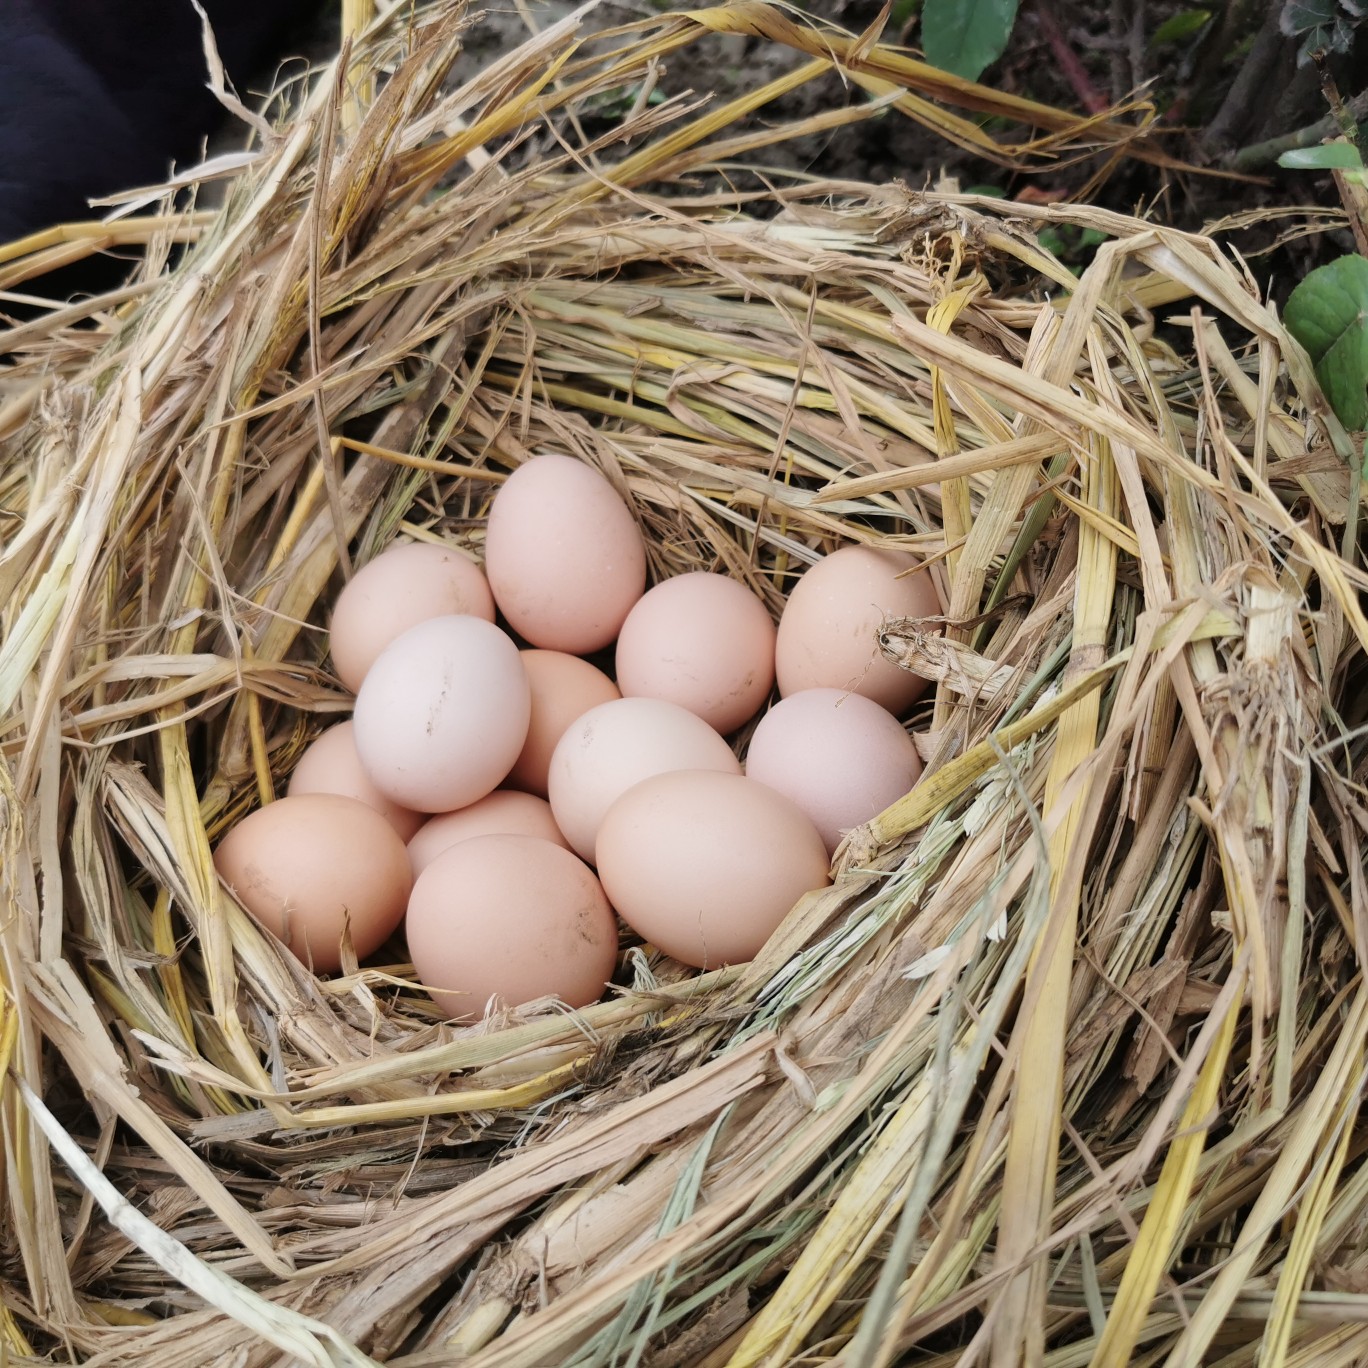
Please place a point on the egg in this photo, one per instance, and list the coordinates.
(828, 632)
(702, 641)
(331, 765)
(706, 865)
(442, 715)
(564, 555)
(401, 587)
(564, 687)
(616, 745)
(313, 866)
(511, 917)
(502, 813)
(838, 756)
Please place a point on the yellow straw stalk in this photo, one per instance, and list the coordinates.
(1064, 1068)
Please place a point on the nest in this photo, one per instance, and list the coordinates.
(1063, 1069)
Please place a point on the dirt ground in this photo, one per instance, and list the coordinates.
(1189, 84)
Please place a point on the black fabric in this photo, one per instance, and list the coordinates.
(103, 95)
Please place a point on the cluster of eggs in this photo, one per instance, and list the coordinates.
(506, 804)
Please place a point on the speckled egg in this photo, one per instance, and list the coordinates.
(315, 867)
(509, 918)
(442, 715)
(703, 641)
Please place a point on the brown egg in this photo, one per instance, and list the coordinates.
(401, 587)
(312, 867)
(828, 631)
(331, 765)
(502, 813)
(513, 918)
(706, 865)
(838, 756)
(564, 555)
(702, 641)
(564, 687)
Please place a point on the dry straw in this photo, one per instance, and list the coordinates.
(1065, 1069)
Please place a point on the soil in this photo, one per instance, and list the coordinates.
(1116, 54)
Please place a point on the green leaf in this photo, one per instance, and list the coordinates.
(1053, 241)
(1181, 26)
(1328, 314)
(964, 36)
(1322, 25)
(1321, 158)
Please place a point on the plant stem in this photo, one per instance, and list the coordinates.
(1265, 153)
(1248, 91)
(1345, 118)
(1070, 65)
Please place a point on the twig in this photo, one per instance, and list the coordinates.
(1345, 118)
(1136, 45)
(1121, 81)
(1351, 191)
(1244, 94)
(1265, 153)
(1072, 68)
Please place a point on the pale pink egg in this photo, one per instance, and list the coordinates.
(564, 556)
(839, 756)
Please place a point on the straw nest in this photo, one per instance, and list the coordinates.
(1064, 1069)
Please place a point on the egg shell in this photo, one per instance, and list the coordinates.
(442, 714)
(331, 765)
(564, 555)
(564, 687)
(828, 631)
(501, 813)
(312, 865)
(403, 586)
(839, 756)
(706, 865)
(702, 641)
(513, 917)
(616, 745)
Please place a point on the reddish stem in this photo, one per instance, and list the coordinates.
(1070, 65)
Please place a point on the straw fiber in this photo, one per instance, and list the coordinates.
(1064, 1069)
